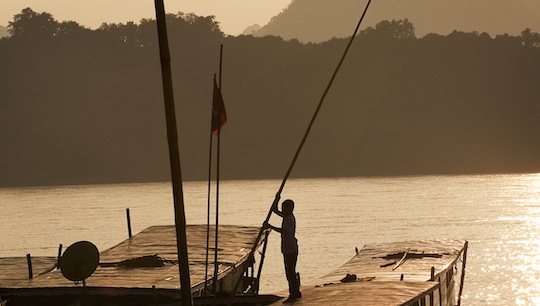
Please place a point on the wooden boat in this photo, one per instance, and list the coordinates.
(141, 270)
(423, 273)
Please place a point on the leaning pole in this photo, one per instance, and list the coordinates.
(174, 155)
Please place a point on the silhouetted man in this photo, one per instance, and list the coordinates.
(289, 244)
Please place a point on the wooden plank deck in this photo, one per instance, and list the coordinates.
(362, 293)
(378, 279)
(15, 269)
(235, 244)
(370, 261)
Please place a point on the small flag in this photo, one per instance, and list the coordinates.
(219, 116)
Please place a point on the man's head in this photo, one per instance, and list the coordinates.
(287, 206)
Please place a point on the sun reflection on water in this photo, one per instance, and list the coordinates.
(498, 214)
(525, 250)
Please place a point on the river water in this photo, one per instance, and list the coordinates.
(498, 214)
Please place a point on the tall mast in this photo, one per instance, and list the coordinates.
(174, 155)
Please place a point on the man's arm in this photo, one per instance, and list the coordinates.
(275, 208)
(268, 225)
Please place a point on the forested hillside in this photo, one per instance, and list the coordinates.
(85, 106)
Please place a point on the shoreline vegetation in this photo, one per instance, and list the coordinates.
(81, 106)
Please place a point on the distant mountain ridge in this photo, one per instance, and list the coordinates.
(323, 19)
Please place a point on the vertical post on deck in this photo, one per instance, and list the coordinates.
(263, 255)
(128, 223)
(29, 261)
(462, 272)
(432, 294)
(59, 255)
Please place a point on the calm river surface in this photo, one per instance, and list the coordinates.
(498, 214)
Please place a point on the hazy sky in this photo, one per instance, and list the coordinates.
(234, 15)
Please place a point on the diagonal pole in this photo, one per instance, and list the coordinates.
(308, 130)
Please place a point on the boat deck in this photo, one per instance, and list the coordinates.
(387, 274)
(235, 244)
(362, 293)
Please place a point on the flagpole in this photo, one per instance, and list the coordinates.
(216, 265)
(174, 155)
(208, 210)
